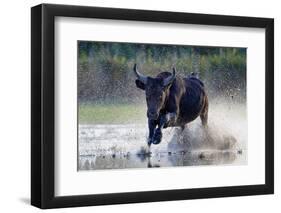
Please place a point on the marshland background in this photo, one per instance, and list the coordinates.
(111, 107)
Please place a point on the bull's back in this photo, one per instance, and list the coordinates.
(192, 100)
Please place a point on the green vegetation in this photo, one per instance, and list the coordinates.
(114, 114)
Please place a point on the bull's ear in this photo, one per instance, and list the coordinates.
(140, 85)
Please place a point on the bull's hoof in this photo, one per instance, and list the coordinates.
(155, 142)
(157, 137)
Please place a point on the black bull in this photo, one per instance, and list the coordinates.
(172, 101)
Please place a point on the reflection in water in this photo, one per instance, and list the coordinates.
(159, 160)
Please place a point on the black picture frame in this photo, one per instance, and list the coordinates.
(43, 105)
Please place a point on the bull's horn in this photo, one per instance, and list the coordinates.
(171, 78)
(141, 77)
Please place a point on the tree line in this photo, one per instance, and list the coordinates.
(105, 69)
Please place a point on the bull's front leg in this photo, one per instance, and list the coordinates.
(164, 121)
(151, 126)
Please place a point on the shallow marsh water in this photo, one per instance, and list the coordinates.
(121, 146)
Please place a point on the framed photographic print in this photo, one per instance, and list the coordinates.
(142, 106)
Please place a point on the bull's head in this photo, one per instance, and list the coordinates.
(156, 91)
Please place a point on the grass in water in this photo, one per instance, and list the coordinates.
(111, 114)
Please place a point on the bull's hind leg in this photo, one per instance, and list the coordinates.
(204, 112)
